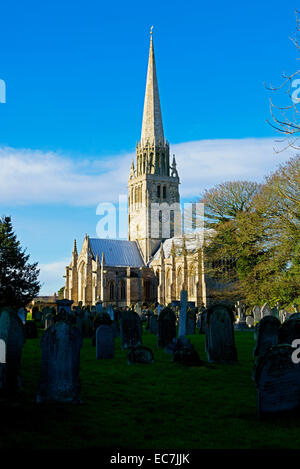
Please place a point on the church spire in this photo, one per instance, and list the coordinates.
(152, 127)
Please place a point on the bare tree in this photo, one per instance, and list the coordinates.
(285, 119)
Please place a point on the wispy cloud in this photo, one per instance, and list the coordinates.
(51, 276)
(36, 177)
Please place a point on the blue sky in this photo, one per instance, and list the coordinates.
(75, 76)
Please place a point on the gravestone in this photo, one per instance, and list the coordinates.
(166, 327)
(289, 330)
(256, 313)
(154, 324)
(185, 354)
(220, 345)
(130, 329)
(100, 320)
(59, 381)
(191, 321)
(110, 311)
(182, 314)
(277, 381)
(266, 310)
(31, 331)
(49, 320)
(138, 309)
(12, 334)
(140, 354)
(105, 342)
(99, 307)
(22, 314)
(64, 305)
(250, 321)
(266, 334)
(282, 315)
(203, 323)
(148, 313)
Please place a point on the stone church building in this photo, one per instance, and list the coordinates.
(156, 263)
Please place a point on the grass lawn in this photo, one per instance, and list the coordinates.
(157, 406)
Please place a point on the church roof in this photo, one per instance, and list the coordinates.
(117, 252)
(191, 245)
(152, 127)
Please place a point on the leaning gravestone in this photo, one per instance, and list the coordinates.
(277, 381)
(266, 334)
(289, 330)
(220, 346)
(166, 327)
(22, 314)
(105, 342)
(60, 381)
(130, 329)
(12, 334)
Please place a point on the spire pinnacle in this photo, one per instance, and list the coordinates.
(152, 127)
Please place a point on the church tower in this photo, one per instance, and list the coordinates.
(153, 187)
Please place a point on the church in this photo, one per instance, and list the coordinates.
(156, 262)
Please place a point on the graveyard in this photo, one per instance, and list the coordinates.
(162, 404)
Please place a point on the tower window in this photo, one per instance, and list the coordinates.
(158, 192)
(164, 192)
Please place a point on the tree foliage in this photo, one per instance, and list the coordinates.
(261, 237)
(18, 278)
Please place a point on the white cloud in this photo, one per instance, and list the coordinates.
(51, 276)
(36, 177)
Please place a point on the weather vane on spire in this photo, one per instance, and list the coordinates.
(151, 32)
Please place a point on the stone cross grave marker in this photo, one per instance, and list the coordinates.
(60, 381)
(220, 345)
(105, 342)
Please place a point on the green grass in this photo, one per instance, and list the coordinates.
(157, 406)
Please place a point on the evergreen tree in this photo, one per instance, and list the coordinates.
(18, 278)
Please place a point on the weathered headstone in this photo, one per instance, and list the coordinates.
(289, 330)
(154, 324)
(266, 310)
(130, 329)
(166, 327)
(256, 313)
(140, 354)
(250, 321)
(277, 381)
(266, 334)
(220, 345)
(60, 381)
(105, 342)
(64, 305)
(100, 320)
(13, 335)
(99, 307)
(203, 322)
